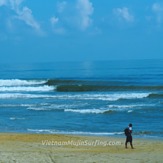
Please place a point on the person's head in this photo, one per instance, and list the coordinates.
(130, 125)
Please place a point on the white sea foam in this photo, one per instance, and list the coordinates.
(63, 106)
(86, 111)
(18, 82)
(114, 108)
(16, 105)
(123, 106)
(21, 95)
(115, 96)
(27, 89)
(74, 132)
(49, 107)
(17, 118)
(103, 97)
(26, 105)
(9, 105)
(38, 109)
(109, 97)
(95, 111)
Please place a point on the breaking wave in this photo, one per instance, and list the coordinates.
(18, 82)
(86, 88)
(21, 96)
(26, 89)
(155, 95)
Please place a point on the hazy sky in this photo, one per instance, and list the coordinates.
(80, 30)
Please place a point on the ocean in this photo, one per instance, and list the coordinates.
(84, 98)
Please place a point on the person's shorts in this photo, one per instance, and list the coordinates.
(129, 139)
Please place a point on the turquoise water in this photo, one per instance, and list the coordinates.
(92, 98)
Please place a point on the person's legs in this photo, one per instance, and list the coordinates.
(126, 142)
(131, 143)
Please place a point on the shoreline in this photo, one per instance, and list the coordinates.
(117, 136)
(18, 147)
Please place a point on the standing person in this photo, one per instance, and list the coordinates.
(128, 133)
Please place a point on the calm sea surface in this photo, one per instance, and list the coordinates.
(90, 98)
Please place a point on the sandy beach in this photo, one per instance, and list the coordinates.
(40, 148)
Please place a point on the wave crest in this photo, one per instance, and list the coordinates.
(87, 88)
(27, 89)
(18, 82)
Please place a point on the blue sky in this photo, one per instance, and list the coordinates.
(80, 30)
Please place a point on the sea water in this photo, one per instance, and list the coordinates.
(90, 98)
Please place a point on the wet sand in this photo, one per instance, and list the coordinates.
(49, 148)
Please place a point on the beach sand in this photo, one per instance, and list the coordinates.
(49, 148)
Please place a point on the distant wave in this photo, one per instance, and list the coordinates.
(86, 88)
(65, 85)
(155, 95)
(70, 85)
(18, 82)
(63, 81)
